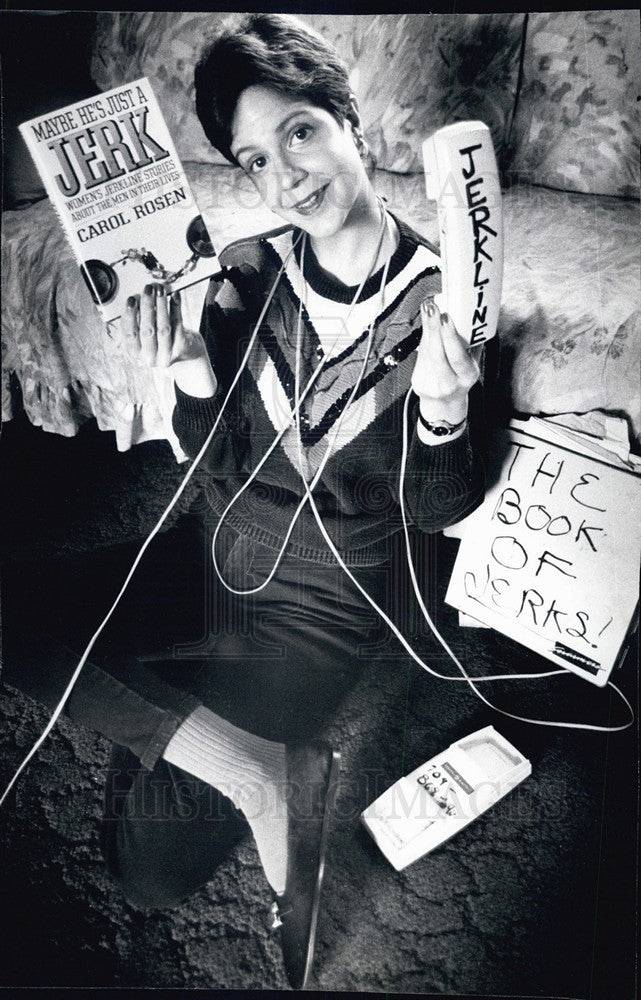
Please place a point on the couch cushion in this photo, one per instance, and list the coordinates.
(570, 321)
(410, 72)
(578, 124)
(413, 73)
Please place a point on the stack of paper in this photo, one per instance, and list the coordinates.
(551, 558)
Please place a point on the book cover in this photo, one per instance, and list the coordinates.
(112, 173)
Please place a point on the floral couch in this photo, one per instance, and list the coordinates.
(560, 94)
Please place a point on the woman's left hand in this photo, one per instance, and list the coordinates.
(445, 369)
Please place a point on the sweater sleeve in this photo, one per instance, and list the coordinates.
(445, 482)
(225, 318)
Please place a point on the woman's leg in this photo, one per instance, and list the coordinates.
(276, 666)
(278, 674)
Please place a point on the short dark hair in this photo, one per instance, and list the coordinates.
(273, 50)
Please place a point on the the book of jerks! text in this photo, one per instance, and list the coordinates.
(112, 173)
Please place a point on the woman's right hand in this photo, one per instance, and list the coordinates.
(153, 333)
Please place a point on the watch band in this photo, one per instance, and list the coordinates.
(440, 428)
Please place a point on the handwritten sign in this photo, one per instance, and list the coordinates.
(551, 558)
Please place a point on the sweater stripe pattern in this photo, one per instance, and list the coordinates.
(337, 332)
(357, 493)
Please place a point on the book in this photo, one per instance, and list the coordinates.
(112, 173)
(551, 557)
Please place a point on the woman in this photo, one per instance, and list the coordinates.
(336, 308)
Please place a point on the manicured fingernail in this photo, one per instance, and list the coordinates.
(160, 289)
(149, 289)
(131, 301)
(428, 307)
(176, 296)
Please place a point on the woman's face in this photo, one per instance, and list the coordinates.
(304, 164)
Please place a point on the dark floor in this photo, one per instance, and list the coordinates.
(537, 898)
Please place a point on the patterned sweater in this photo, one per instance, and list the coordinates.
(358, 493)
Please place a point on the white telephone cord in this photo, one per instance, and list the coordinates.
(410, 563)
(188, 475)
(309, 498)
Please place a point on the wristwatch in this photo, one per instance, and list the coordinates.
(440, 428)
